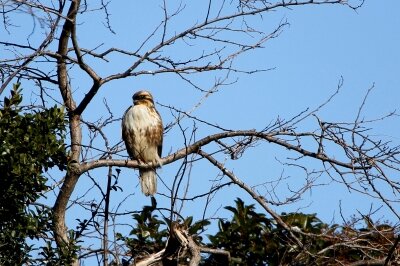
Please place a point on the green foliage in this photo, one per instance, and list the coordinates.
(286, 251)
(31, 143)
(51, 255)
(148, 236)
(195, 229)
(245, 237)
(253, 239)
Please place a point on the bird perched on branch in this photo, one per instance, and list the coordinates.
(142, 132)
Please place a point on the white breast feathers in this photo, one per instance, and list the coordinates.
(142, 123)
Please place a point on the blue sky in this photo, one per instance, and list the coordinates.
(308, 59)
(320, 45)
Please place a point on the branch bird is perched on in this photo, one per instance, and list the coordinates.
(142, 132)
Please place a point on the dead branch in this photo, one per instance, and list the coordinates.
(179, 243)
(193, 148)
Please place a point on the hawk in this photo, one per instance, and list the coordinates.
(142, 132)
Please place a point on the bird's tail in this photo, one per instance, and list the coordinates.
(148, 181)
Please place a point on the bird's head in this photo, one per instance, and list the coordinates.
(143, 97)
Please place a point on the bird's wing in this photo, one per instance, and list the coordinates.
(127, 136)
(160, 132)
